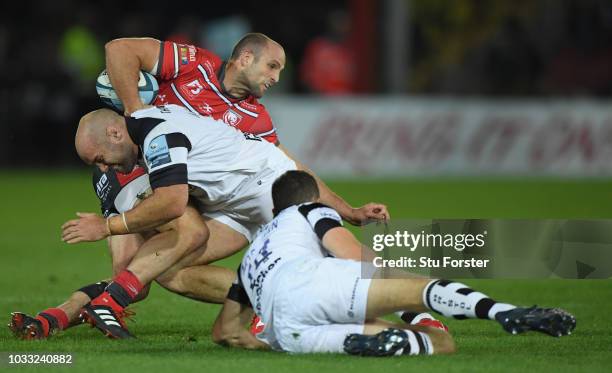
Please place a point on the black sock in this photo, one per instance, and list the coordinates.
(94, 290)
(119, 294)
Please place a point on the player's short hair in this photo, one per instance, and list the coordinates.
(293, 188)
(254, 41)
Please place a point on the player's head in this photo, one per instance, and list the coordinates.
(293, 188)
(102, 140)
(259, 61)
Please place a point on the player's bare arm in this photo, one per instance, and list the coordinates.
(340, 242)
(229, 327)
(355, 216)
(125, 57)
(166, 204)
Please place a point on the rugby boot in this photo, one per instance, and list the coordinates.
(27, 327)
(552, 321)
(389, 342)
(107, 316)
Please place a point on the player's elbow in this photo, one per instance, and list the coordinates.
(174, 211)
(114, 47)
(172, 201)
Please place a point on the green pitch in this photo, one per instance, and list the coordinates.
(38, 271)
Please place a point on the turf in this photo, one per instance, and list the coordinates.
(39, 271)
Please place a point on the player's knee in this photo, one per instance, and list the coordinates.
(198, 237)
(171, 282)
(193, 233)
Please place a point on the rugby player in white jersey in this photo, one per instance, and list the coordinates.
(311, 302)
(224, 172)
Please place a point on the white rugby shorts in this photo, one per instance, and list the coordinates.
(317, 303)
(251, 205)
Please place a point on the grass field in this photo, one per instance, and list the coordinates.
(38, 271)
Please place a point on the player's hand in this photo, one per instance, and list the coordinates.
(369, 213)
(88, 227)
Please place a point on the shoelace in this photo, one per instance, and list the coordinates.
(128, 314)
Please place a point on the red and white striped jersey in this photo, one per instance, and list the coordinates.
(189, 76)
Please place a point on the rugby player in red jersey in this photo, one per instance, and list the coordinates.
(200, 81)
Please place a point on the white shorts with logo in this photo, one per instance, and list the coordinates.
(251, 206)
(317, 303)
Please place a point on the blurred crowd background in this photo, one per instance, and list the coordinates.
(52, 52)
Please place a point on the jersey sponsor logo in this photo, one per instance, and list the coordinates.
(248, 106)
(328, 213)
(231, 117)
(184, 59)
(208, 66)
(101, 186)
(157, 153)
(258, 266)
(163, 109)
(195, 87)
(252, 137)
(192, 53)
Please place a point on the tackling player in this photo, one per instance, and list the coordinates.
(186, 155)
(312, 303)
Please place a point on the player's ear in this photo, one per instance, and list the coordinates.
(113, 134)
(246, 58)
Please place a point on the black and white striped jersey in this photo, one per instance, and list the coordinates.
(217, 161)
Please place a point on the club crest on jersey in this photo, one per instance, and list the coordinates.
(157, 153)
(231, 117)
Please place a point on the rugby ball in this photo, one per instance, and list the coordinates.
(147, 89)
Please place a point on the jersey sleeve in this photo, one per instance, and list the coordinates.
(264, 128)
(106, 188)
(176, 59)
(321, 217)
(119, 192)
(165, 156)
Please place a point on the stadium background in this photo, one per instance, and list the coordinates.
(439, 109)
